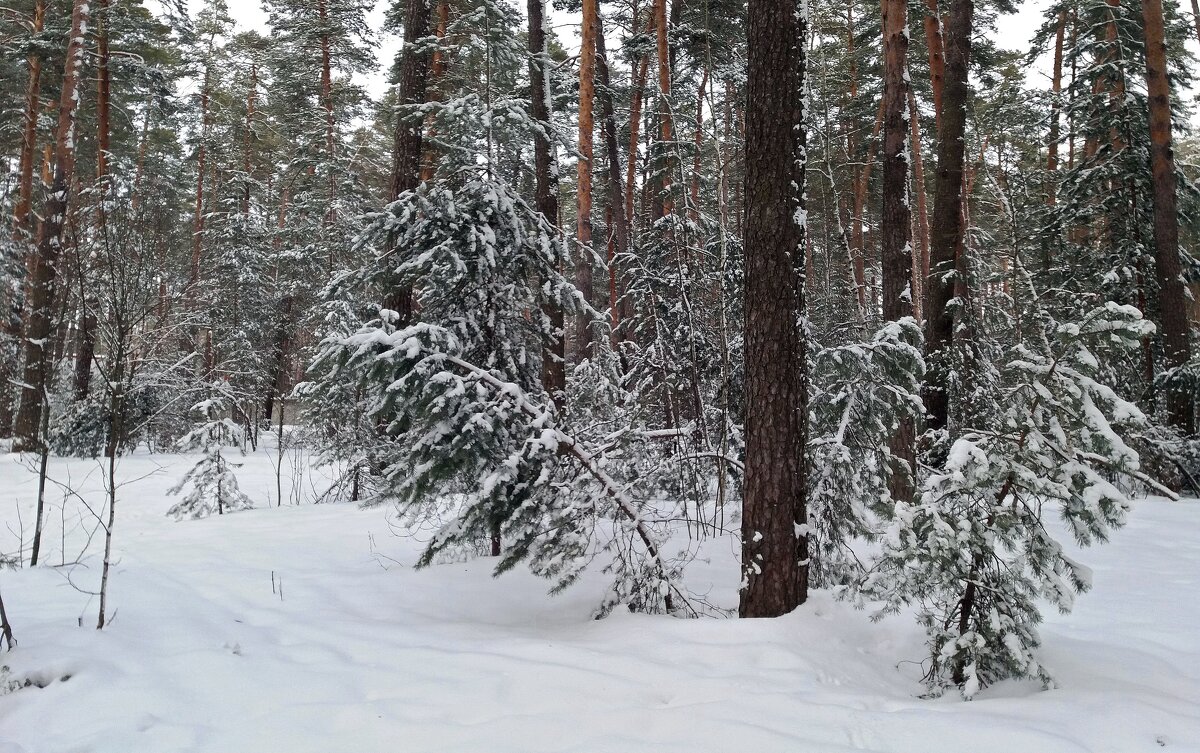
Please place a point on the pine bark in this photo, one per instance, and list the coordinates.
(937, 58)
(406, 144)
(10, 325)
(664, 204)
(192, 343)
(774, 541)
(584, 267)
(327, 105)
(896, 225)
(545, 166)
(921, 263)
(248, 136)
(619, 228)
(23, 213)
(43, 262)
(862, 186)
(1172, 294)
(948, 231)
(437, 70)
(697, 147)
(85, 351)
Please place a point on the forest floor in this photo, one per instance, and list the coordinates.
(303, 628)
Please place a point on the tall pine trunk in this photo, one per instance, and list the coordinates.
(937, 57)
(42, 267)
(10, 326)
(1172, 294)
(193, 342)
(921, 262)
(948, 231)
(406, 144)
(774, 538)
(663, 203)
(85, 351)
(619, 228)
(584, 266)
(327, 105)
(896, 225)
(23, 212)
(545, 165)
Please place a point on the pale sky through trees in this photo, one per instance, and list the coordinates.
(1013, 31)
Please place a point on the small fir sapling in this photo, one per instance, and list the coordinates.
(214, 486)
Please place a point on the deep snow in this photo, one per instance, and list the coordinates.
(360, 653)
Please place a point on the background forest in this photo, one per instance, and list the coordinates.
(847, 280)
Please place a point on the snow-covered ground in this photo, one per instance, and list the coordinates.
(302, 628)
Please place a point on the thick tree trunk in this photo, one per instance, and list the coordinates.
(948, 229)
(1172, 294)
(43, 262)
(406, 145)
(545, 166)
(584, 266)
(774, 540)
(896, 225)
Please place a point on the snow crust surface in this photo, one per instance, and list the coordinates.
(361, 654)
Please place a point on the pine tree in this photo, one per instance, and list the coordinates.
(775, 553)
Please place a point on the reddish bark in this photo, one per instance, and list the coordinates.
(937, 57)
(1172, 294)
(666, 126)
(43, 262)
(584, 168)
